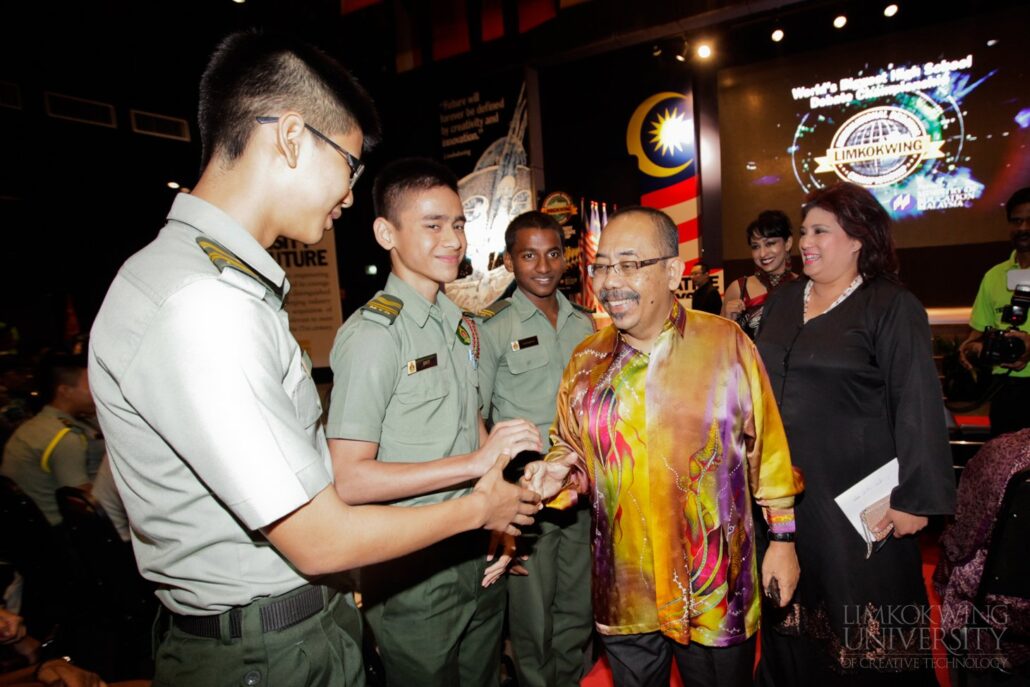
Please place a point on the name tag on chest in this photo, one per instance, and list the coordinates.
(528, 342)
(423, 363)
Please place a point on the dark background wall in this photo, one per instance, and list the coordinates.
(76, 200)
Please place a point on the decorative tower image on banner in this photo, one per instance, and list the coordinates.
(661, 136)
(499, 189)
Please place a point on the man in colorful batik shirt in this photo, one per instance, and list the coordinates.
(666, 420)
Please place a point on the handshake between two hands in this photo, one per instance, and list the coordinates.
(541, 481)
(512, 505)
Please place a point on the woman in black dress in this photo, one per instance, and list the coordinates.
(848, 354)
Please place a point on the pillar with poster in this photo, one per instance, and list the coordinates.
(314, 300)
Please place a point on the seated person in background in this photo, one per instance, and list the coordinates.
(706, 297)
(971, 549)
(56, 448)
(770, 240)
(57, 671)
(48, 671)
(1010, 406)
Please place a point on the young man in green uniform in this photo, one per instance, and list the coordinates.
(404, 427)
(56, 448)
(211, 417)
(527, 341)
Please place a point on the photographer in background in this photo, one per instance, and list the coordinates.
(997, 307)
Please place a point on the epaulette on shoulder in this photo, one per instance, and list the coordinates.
(494, 308)
(384, 309)
(583, 309)
(71, 425)
(223, 258)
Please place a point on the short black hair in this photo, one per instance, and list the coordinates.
(533, 219)
(668, 234)
(404, 175)
(705, 269)
(59, 369)
(1018, 198)
(771, 224)
(253, 74)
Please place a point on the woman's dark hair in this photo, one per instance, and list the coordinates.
(863, 218)
(771, 224)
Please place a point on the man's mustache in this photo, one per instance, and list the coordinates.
(1021, 235)
(618, 295)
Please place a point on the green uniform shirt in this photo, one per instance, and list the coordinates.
(523, 358)
(49, 451)
(407, 383)
(212, 420)
(992, 297)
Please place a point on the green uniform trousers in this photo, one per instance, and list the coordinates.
(433, 621)
(321, 651)
(550, 618)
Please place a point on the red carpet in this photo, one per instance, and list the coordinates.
(601, 676)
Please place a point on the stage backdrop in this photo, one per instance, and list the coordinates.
(622, 127)
(934, 122)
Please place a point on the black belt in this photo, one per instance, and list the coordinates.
(276, 615)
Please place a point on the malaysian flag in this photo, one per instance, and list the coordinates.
(661, 136)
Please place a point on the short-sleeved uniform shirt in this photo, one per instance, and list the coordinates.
(49, 451)
(523, 357)
(408, 384)
(991, 299)
(209, 410)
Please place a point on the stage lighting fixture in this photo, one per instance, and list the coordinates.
(890, 10)
(840, 21)
(777, 35)
(174, 185)
(704, 51)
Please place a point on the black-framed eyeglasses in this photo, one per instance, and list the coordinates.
(626, 267)
(356, 165)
